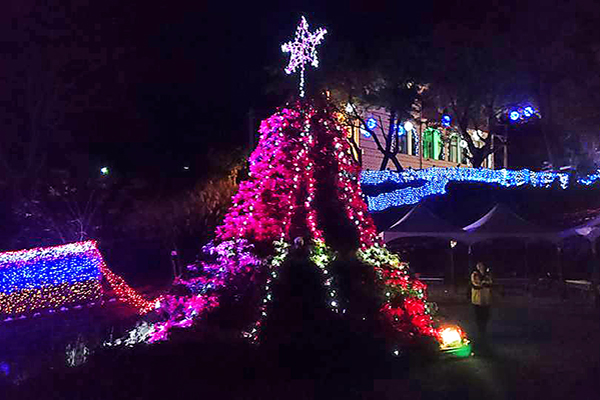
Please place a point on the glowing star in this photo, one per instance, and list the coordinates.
(303, 50)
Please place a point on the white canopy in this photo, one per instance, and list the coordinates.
(501, 222)
(589, 229)
(421, 222)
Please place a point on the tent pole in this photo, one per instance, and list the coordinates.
(452, 270)
(559, 271)
(595, 274)
(527, 272)
(470, 259)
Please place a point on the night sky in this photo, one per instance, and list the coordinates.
(171, 81)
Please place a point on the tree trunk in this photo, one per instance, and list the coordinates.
(388, 141)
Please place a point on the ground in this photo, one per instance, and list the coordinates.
(537, 348)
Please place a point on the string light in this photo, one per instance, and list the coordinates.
(303, 49)
(295, 144)
(435, 181)
(371, 123)
(53, 277)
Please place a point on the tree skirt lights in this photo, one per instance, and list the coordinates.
(53, 277)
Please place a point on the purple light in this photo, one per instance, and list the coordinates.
(303, 50)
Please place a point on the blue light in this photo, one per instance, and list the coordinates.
(371, 123)
(436, 180)
(528, 111)
(400, 130)
(446, 120)
(514, 115)
(18, 274)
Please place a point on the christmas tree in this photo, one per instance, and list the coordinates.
(302, 207)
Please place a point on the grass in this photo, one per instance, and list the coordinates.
(537, 348)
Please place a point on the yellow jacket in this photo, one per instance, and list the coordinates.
(481, 289)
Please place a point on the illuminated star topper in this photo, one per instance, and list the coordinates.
(303, 50)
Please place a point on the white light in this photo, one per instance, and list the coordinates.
(349, 108)
(303, 50)
(104, 170)
(334, 303)
(450, 337)
(408, 126)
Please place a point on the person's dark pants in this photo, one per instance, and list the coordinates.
(482, 316)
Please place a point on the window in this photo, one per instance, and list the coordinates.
(454, 149)
(433, 146)
(402, 139)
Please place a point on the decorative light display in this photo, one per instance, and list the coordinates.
(405, 305)
(453, 340)
(77, 353)
(141, 333)
(303, 50)
(408, 127)
(294, 143)
(49, 277)
(451, 336)
(371, 123)
(400, 130)
(53, 277)
(321, 255)
(127, 294)
(181, 311)
(435, 181)
(274, 207)
(522, 114)
(104, 171)
(446, 120)
(281, 253)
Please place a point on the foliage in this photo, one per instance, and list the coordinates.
(174, 219)
(63, 208)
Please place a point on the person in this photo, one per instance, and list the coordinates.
(481, 296)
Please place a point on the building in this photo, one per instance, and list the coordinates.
(419, 145)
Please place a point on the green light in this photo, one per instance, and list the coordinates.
(459, 352)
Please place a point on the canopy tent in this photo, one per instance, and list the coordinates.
(501, 222)
(421, 222)
(589, 229)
